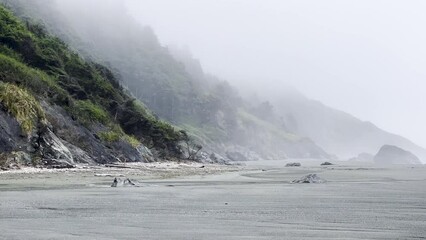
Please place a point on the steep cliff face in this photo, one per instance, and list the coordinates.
(57, 109)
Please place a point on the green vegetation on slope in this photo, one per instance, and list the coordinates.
(32, 59)
(87, 112)
(39, 82)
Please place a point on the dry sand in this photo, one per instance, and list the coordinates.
(185, 201)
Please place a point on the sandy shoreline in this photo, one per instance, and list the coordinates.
(185, 201)
(85, 175)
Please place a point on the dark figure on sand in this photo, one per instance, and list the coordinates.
(114, 184)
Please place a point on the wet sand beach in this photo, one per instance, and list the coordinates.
(255, 201)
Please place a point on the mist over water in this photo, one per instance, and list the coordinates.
(362, 57)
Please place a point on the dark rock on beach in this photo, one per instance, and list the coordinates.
(293, 164)
(310, 178)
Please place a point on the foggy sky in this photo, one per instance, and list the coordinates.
(365, 57)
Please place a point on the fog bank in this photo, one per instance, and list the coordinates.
(363, 57)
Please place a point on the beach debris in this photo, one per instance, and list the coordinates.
(124, 183)
(295, 164)
(310, 178)
(128, 182)
(326, 164)
(108, 175)
(117, 166)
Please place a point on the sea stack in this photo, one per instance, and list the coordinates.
(389, 154)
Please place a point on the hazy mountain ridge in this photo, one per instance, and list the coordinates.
(336, 131)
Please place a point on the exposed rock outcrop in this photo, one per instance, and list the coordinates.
(52, 150)
(11, 136)
(61, 142)
(86, 145)
(42, 144)
(389, 154)
(310, 178)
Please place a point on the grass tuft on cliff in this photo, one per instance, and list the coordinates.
(22, 105)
